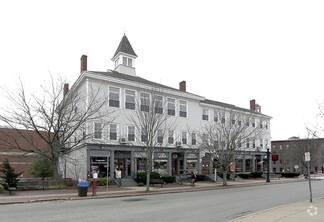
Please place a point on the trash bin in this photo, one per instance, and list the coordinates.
(82, 189)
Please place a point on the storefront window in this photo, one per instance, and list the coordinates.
(161, 166)
(99, 164)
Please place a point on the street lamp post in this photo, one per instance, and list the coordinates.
(268, 173)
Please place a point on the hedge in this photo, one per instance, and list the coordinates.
(290, 174)
(200, 177)
(244, 175)
(169, 179)
(141, 176)
(256, 174)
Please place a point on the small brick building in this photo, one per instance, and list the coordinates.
(12, 144)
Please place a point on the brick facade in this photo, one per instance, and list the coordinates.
(12, 144)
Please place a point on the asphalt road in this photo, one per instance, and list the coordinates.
(215, 205)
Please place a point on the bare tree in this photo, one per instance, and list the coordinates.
(57, 120)
(223, 138)
(152, 121)
(300, 147)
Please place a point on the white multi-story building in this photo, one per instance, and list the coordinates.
(115, 142)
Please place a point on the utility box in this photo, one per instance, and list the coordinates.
(83, 189)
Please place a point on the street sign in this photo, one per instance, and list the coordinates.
(307, 156)
(296, 167)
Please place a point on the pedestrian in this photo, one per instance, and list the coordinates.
(193, 178)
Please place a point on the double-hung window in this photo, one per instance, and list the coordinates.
(113, 132)
(160, 136)
(97, 130)
(131, 133)
(193, 139)
(205, 139)
(223, 117)
(113, 96)
(183, 108)
(145, 102)
(170, 136)
(205, 113)
(215, 116)
(184, 137)
(158, 101)
(130, 99)
(171, 107)
(143, 135)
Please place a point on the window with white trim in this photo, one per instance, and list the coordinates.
(113, 132)
(143, 135)
(193, 139)
(184, 137)
(158, 101)
(160, 136)
(183, 108)
(130, 99)
(97, 128)
(171, 106)
(170, 137)
(205, 114)
(131, 133)
(114, 96)
(145, 102)
(215, 116)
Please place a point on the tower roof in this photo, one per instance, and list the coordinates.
(125, 47)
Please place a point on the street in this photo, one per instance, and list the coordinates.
(213, 205)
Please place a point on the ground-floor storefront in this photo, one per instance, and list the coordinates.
(249, 161)
(127, 161)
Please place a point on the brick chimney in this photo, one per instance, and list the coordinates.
(84, 62)
(66, 89)
(252, 105)
(182, 86)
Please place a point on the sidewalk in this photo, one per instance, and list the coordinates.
(300, 211)
(72, 194)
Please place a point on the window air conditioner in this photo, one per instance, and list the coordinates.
(179, 144)
(123, 140)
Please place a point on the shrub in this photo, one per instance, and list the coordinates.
(244, 175)
(9, 175)
(155, 175)
(169, 179)
(200, 177)
(290, 174)
(140, 184)
(102, 181)
(141, 176)
(221, 175)
(1, 188)
(256, 174)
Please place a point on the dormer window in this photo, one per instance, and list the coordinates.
(127, 62)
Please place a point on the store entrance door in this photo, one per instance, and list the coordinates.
(174, 167)
(120, 165)
(205, 167)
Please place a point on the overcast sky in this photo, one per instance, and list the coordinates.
(228, 51)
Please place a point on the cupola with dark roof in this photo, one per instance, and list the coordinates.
(124, 57)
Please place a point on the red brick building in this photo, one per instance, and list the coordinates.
(20, 148)
(291, 155)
